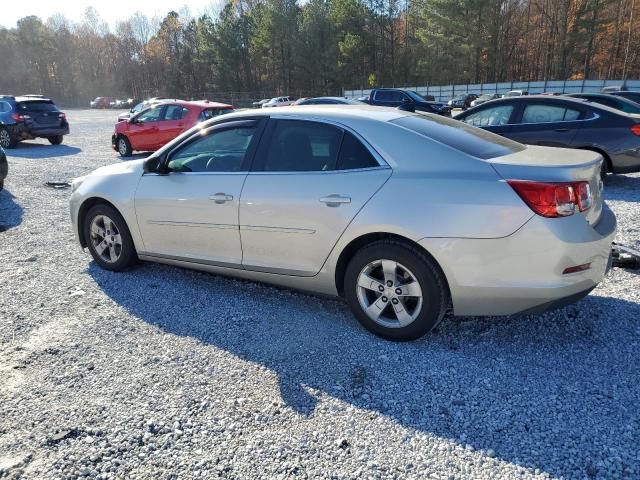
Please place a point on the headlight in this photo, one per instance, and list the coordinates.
(76, 182)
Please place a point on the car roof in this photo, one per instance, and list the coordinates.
(549, 99)
(33, 99)
(327, 112)
(197, 103)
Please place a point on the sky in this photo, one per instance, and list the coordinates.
(111, 11)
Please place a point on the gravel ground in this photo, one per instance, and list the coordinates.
(168, 373)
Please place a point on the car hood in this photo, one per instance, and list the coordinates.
(122, 168)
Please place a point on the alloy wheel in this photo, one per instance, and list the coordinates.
(106, 239)
(122, 146)
(389, 293)
(5, 138)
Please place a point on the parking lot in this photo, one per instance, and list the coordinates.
(168, 373)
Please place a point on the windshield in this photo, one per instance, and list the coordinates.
(415, 96)
(460, 136)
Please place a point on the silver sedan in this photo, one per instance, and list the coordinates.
(401, 214)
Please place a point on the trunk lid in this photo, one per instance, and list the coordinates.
(548, 164)
(43, 113)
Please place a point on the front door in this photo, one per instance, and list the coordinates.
(191, 213)
(310, 181)
(494, 118)
(144, 129)
(172, 124)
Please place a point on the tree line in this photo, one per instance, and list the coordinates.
(257, 48)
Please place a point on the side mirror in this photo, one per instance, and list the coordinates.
(151, 165)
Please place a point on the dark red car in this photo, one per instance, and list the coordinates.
(156, 126)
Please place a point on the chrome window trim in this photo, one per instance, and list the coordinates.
(311, 118)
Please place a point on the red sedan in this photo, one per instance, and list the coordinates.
(156, 126)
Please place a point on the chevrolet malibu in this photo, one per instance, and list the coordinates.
(401, 214)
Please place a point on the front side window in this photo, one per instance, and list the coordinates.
(301, 146)
(489, 117)
(218, 151)
(152, 115)
(548, 113)
(175, 112)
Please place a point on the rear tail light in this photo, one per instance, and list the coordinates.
(19, 117)
(636, 129)
(554, 199)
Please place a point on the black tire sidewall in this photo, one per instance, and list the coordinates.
(12, 140)
(434, 293)
(55, 140)
(128, 255)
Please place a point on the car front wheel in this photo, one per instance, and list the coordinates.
(124, 146)
(108, 238)
(395, 290)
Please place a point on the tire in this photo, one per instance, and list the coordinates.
(409, 266)
(124, 146)
(106, 219)
(56, 140)
(1, 185)
(7, 140)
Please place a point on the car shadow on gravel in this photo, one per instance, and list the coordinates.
(533, 391)
(621, 187)
(39, 150)
(10, 211)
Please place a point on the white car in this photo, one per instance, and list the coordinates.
(278, 102)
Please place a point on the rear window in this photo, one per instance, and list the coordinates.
(37, 106)
(460, 136)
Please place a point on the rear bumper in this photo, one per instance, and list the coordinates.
(523, 272)
(22, 131)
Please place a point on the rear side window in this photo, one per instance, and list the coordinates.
(214, 112)
(548, 113)
(37, 106)
(389, 96)
(175, 112)
(353, 154)
(460, 136)
(301, 146)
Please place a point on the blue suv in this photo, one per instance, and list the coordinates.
(28, 117)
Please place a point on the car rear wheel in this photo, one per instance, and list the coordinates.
(108, 238)
(395, 290)
(55, 140)
(124, 146)
(6, 139)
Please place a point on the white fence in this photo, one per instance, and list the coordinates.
(446, 92)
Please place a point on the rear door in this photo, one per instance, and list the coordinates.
(548, 124)
(172, 123)
(495, 118)
(309, 180)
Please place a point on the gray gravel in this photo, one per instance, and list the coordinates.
(167, 373)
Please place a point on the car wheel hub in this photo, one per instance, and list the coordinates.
(122, 147)
(5, 139)
(106, 239)
(389, 293)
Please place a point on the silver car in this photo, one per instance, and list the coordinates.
(401, 214)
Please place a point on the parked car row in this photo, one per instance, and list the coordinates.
(110, 102)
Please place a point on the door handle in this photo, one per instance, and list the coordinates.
(221, 198)
(562, 129)
(335, 200)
